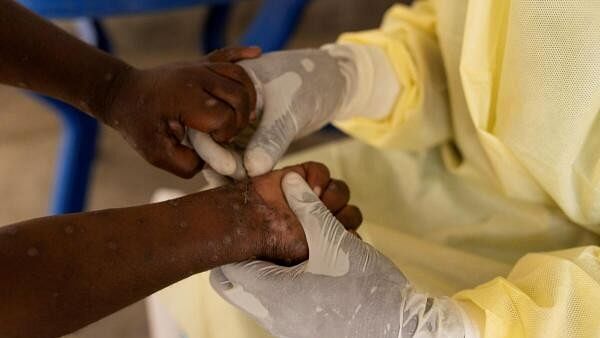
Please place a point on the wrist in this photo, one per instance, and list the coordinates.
(108, 90)
(225, 225)
(371, 86)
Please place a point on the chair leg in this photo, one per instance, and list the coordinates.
(215, 27)
(78, 143)
(271, 28)
(75, 159)
(274, 24)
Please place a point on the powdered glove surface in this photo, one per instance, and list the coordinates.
(345, 289)
(299, 92)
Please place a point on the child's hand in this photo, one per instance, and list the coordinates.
(152, 108)
(283, 239)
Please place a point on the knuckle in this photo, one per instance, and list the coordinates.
(237, 97)
(215, 55)
(219, 135)
(319, 168)
(358, 216)
(342, 186)
(231, 52)
(239, 72)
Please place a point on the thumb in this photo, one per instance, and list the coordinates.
(224, 161)
(269, 142)
(278, 125)
(324, 233)
(245, 284)
(234, 54)
(236, 295)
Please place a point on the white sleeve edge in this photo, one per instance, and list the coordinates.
(471, 329)
(372, 83)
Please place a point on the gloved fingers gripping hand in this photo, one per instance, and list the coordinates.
(345, 289)
(285, 240)
(301, 90)
(224, 159)
(213, 148)
(297, 92)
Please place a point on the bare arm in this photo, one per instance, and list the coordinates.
(39, 56)
(149, 107)
(60, 273)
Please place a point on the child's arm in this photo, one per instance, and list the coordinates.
(60, 273)
(149, 107)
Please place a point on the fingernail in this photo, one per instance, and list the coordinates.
(317, 190)
(293, 178)
(257, 161)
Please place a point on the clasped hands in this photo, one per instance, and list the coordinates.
(306, 275)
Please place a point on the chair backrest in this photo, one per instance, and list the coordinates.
(57, 9)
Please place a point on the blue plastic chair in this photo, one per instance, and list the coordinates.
(271, 28)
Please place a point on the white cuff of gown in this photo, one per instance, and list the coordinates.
(372, 85)
(472, 330)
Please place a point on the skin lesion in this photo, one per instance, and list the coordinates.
(282, 235)
(110, 258)
(259, 222)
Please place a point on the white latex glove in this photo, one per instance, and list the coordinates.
(299, 92)
(225, 160)
(345, 289)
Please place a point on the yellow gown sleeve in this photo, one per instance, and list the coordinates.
(554, 294)
(419, 119)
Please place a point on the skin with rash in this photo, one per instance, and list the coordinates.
(60, 273)
(149, 107)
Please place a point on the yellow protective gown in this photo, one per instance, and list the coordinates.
(461, 191)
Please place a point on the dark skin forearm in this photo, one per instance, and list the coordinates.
(151, 108)
(39, 56)
(61, 273)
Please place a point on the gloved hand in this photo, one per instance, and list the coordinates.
(300, 91)
(345, 289)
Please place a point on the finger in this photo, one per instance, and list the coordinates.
(224, 161)
(317, 176)
(336, 195)
(238, 74)
(254, 270)
(350, 216)
(226, 133)
(219, 281)
(177, 130)
(232, 93)
(324, 234)
(213, 179)
(246, 285)
(179, 159)
(234, 54)
(355, 234)
(212, 116)
(270, 141)
(314, 173)
(252, 276)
